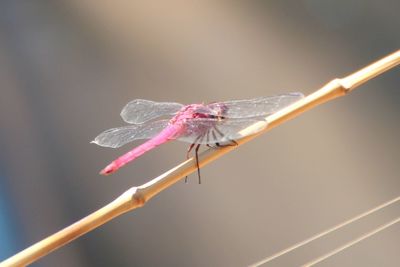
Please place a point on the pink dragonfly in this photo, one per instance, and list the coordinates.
(215, 124)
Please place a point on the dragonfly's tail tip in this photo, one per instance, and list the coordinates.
(109, 169)
(105, 172)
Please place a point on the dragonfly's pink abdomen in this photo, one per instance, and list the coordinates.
(163, 137)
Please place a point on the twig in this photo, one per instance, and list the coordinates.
(138, 196)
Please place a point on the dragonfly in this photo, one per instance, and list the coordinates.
(216, 124)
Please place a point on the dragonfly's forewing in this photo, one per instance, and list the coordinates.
(139, 110)
(117, 137)
(257, 107)
(213, 130)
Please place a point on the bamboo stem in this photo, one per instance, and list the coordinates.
(122, 204)
(137, 196)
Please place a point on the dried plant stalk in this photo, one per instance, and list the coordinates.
(136, 197)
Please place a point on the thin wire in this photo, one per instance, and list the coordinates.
(352, 243)
(324, 233)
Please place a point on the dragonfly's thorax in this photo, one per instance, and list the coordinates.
(193, 111)
(198, 121)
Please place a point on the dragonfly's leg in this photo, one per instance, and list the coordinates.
(232, 143)
(218, 131)
(210, 145)
(197, 162)
(208, 139)
(221, 134)
(188, 156)
(188, 151)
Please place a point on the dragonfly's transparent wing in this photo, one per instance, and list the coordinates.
(140, 110)
(117, 137)
(214, 130)
(257, 107)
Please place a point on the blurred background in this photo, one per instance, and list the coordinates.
(68, 67)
